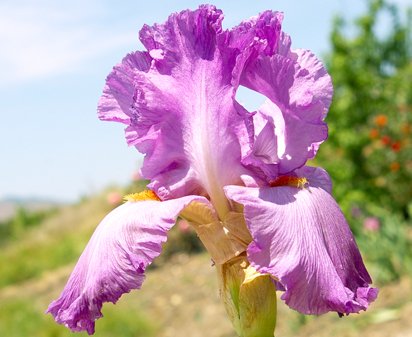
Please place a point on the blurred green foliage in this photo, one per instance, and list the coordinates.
(46, 245)
(369, 150)
(23, 219)
(20, 317)
(28, 259)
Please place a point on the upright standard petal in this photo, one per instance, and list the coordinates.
(300, 237)
(181, 110)
(115, 259)
(299, 92)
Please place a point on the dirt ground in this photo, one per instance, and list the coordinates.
(188, 304)
(182, 298)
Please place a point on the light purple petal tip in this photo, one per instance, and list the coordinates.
(300, 237)
(119, 93)
(115, 259)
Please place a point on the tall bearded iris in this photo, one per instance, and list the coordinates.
(238, 176)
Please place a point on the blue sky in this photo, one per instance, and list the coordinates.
(54, 58)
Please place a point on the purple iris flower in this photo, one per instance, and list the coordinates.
(238, 176)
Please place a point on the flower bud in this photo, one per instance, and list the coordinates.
(249, 298)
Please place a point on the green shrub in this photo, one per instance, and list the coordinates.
(369, 150)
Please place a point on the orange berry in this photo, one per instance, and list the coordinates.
(381, 120)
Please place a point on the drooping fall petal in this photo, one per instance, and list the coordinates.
(115, 259)
(300, 236)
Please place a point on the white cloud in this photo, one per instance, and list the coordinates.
(46, 38)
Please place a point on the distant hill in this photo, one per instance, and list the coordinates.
(9, 205)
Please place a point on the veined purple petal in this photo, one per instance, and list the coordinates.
(180, 109)
(316, 176)
(115, 259)
(299, 92)
(263, 155)
(259, 35)
(300, 236)
(117, 100)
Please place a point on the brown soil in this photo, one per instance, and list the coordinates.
(181, 297)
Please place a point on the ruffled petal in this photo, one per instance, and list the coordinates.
(256, 36)
(263, 154)
(182, 110)
(116, 103)
(316, 176)
(300, 236)
(299, 92)
(297, 139)
(115, 259)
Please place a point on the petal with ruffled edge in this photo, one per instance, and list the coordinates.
(115, 259)
(300, 236)
(263, 154)
(316, 176)
(179, 102)
(118, 96)
(299, 92)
